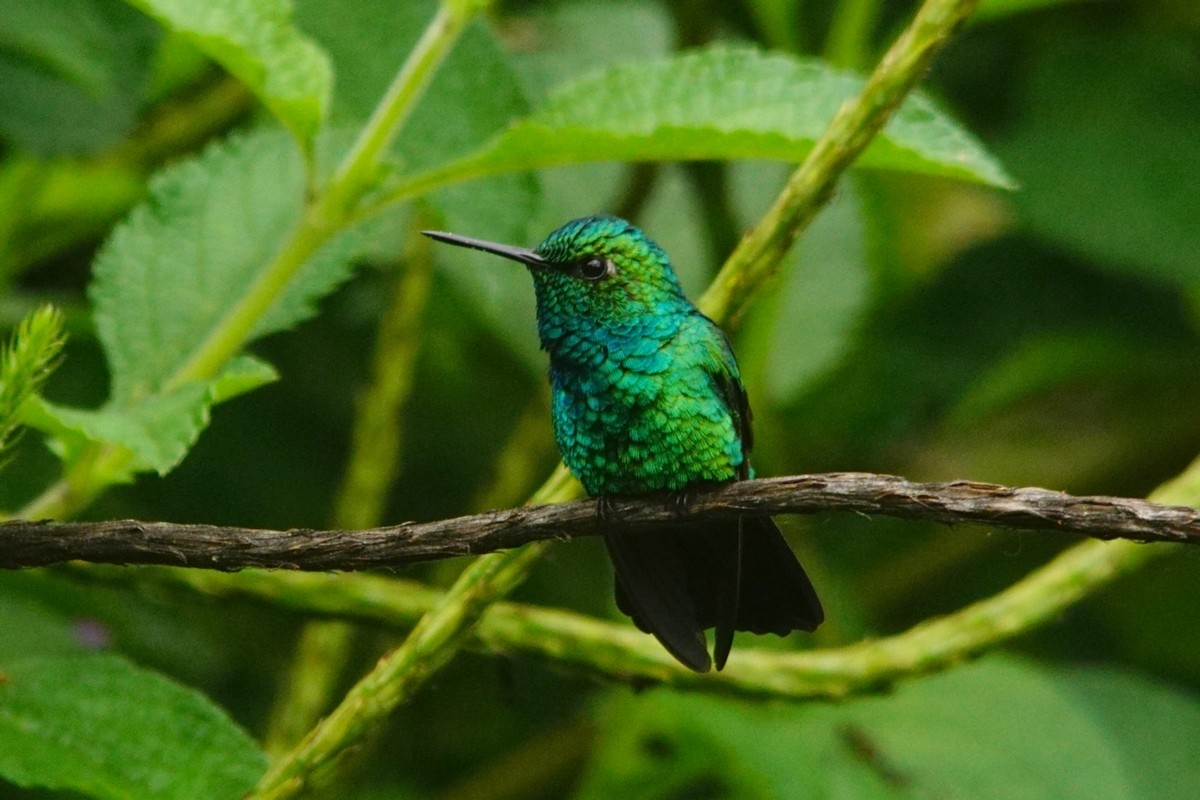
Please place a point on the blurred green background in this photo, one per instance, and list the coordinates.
(922, 327)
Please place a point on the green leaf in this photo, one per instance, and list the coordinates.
(166, 279)
(168, 275)
(198, 648)
(102, 727)
(1133, 712)
(72, 73)
(244, 374)
(1002, 728)
(158, 431)
(258, 43)
(1119, 190)
(719, 103)
(664, 745)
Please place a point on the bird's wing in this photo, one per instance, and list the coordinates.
(722, 369)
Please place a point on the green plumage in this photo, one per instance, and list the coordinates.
(650, 415)
(647, 398)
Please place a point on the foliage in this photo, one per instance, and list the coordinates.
(954, 733)
(80, 723)
(25, 365)
(931, 322)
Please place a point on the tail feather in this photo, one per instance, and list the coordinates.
(729, 594)
(724, 574)
(777, 596)
(653, 589)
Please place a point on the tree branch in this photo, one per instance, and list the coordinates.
(33, 544)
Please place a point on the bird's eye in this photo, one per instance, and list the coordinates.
(594, 268)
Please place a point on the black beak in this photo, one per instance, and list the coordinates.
(527, 257)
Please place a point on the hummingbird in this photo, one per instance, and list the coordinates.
(647, 400)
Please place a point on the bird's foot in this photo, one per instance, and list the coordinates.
(606, 508)
(679, 502)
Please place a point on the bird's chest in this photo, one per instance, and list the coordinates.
(636, 416)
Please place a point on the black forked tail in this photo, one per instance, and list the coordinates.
(736, 574)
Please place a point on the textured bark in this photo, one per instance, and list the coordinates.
(33, 544)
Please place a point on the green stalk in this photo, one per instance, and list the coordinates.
(447, 627)
(360, 168)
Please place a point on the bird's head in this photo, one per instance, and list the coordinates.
(601, 267)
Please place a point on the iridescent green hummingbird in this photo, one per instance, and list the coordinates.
(647, 399)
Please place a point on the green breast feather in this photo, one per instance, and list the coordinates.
(662, 413)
